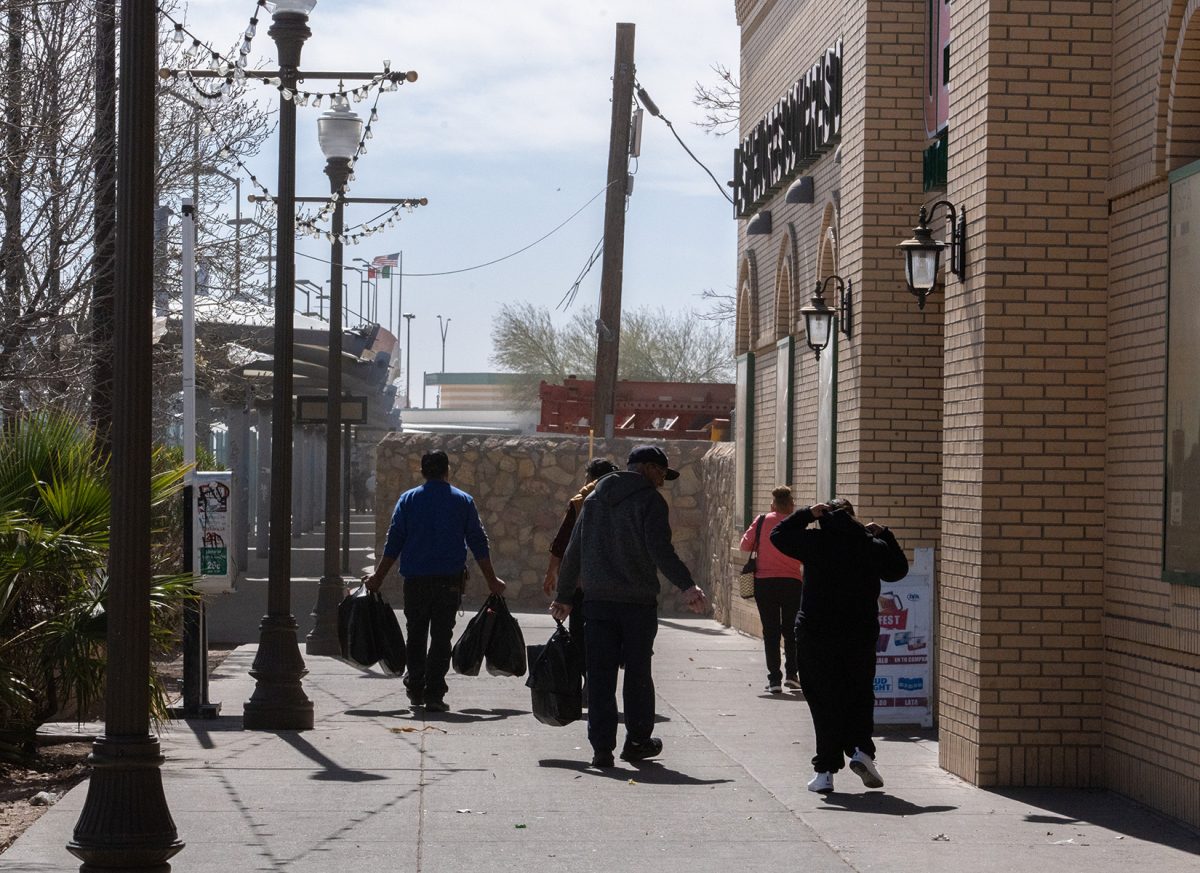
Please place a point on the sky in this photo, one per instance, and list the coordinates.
(506, 133)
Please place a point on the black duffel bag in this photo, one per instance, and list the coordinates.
(506, 646)
(555, 681)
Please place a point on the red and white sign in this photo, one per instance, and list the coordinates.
(904, 651)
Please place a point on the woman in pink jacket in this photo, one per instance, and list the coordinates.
(778, 581)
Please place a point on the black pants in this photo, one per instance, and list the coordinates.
(430, 604)
(575, 628)
(778, 601)
(616, 634)
(837, 674)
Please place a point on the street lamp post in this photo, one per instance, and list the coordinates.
(408, 317)
(125, 822)
(340, 131)
(279, 701)
(443, 329)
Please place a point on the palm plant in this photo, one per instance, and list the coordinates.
(54, 529)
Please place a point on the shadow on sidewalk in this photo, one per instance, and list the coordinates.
(468, 716)
(202, 727)
(694, 629)
(378, 713)
(649, 772)
(1105, 809)
(333, 772)
(878, 803)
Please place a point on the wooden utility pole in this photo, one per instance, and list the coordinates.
(608, 330)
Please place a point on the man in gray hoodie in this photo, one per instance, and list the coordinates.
(620, 544)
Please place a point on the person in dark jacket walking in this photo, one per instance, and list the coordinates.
(432, 527)
(837, 629)
(596, 468)
(620, 543)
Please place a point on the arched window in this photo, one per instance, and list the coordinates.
(785, 285)
(746, 335)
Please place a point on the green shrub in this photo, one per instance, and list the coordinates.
(54, 537)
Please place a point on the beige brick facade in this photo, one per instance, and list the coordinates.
(1017, 423)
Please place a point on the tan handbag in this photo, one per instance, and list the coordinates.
(746, 579)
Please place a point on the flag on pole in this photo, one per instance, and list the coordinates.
(370, 272)
(385, 272)
(392, 260)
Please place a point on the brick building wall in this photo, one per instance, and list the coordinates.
(1017, 424)
(1151, 628)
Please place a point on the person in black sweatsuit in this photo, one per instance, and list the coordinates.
(837, 629)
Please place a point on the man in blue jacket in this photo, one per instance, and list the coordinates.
(432, 527)
(620, 543)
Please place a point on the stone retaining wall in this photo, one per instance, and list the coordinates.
(522, 486)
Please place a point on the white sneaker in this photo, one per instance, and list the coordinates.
(864, 765)
(793, 684)
(774, 689)
(821, 783)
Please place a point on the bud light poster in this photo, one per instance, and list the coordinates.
(904, 651)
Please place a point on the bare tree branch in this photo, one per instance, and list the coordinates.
(721, 102)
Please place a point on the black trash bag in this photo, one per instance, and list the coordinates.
(368, 631)
(555, 681)
(385, 631)
(467, 655)
(506, 646)
(356, 636)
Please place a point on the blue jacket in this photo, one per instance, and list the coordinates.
(432, 526)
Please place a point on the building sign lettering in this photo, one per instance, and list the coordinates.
(800, 128)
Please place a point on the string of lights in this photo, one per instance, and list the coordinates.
(235, 79)
(235, 75)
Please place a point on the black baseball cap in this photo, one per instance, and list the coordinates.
(653, 455)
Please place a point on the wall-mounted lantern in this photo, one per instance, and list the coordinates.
(818, 317)
(922, 253)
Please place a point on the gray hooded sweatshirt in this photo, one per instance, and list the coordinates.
(621, 541)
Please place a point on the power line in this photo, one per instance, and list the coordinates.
(654, 110)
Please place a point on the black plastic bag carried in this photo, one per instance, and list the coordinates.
(355, 637)
(506, 646)
(555, 681)
(368, 631)
(468, 653)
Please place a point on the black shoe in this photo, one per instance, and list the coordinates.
(603, 760)
(438, 705)
(640, 751)
(415, 696)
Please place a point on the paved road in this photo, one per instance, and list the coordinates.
(376, 786)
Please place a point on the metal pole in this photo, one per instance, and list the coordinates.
(125, 822)
(278, 701)
(608, 334)
(346, 437)
(443, 329)
(323, 640)
(195, 659)
(187, 224)
(408, 317)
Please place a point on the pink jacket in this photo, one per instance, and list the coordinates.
(772, 563)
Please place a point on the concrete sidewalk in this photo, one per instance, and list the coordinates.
(376, 786)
